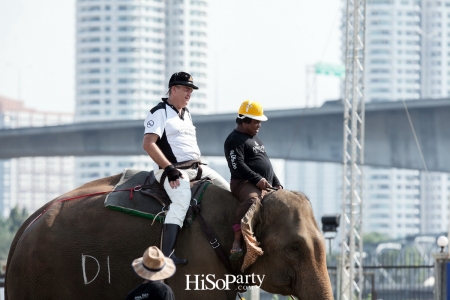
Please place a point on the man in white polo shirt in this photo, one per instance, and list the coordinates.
(170, 140)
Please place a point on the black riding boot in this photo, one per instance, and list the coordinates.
(170, 234)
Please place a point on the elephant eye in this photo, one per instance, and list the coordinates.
(295, 247)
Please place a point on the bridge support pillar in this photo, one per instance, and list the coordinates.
(441, 271)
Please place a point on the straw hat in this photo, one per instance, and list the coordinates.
(154, 265)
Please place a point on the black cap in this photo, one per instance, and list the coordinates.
(182, 78)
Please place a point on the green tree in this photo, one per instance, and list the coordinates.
(375, 238)
(8, 229)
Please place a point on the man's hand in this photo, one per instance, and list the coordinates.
(173, 175)
(263, 184)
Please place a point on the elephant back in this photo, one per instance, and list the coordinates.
(81, 250)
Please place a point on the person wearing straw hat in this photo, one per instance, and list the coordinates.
(154, 267)
(250, 167)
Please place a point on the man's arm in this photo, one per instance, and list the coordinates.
(149, 145)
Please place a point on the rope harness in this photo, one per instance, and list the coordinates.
(131, 190)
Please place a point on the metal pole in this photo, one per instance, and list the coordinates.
(352, 247)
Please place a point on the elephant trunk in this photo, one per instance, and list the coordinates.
(314, 281)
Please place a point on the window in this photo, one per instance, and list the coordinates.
(198, 54)
(380, 71)
(380, 51)
(90, 19)
(198, 33)
(198, 44)
(89, 71)
(129, 50)
(380, 42)
(90, 81)
(89, 60)
(90, 40)
(380, 90)
(198, 13)
(197, 64)
(198, 23)
(127, 28)
(89, 29)
(90, 8)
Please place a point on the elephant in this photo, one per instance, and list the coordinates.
(79, 249)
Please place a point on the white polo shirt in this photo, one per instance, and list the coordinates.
(177, 134)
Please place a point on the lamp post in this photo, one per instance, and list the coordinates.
(440, 269)
(330, 223)
(442, 242)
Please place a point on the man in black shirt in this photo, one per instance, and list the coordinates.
(154, 267)
(250, 167)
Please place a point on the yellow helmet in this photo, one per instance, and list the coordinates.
(252, 110)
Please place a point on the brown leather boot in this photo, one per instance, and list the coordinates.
(170, 234)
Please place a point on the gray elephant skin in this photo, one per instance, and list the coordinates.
(80, 250)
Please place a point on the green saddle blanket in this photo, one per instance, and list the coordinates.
(139, 205)
(150, 205)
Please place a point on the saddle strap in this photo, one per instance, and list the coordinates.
(147, 187)
(207, 230)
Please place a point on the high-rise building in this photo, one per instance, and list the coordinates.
(406, 57)
(120, 59)
(393, 50)
(126, 53)
(187, 46)
(30, 182)
(406, 49)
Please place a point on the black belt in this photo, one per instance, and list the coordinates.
(184, 165)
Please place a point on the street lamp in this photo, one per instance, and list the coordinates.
(330, 223)
(442, 242)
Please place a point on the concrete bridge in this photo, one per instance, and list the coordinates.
(313, 134)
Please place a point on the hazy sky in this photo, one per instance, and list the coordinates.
(259, 51)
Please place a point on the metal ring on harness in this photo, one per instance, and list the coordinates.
(215, 244)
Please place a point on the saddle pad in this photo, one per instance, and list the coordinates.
(140, 205)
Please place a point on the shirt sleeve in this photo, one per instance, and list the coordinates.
(155, 122)
(235, 154)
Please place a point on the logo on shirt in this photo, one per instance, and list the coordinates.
(150, 123)
(232, 159)
(187, 130)
(257, 148)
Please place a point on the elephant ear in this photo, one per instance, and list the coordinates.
(247, 225)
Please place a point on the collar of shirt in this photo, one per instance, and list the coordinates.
(183, 110)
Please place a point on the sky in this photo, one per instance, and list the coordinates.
(260, 50)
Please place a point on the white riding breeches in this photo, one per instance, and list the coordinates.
(181, 196)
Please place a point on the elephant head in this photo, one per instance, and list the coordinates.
(293, 257)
